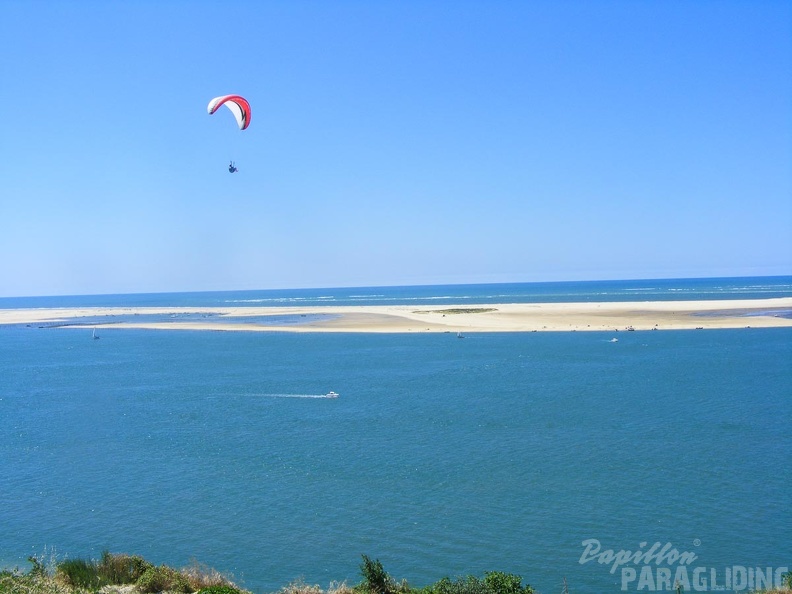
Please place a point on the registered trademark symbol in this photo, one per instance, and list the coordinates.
(696, 542)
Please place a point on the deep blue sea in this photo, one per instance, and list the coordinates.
(442, 457)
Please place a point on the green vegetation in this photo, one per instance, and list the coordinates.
(91, 575)
(375, 579)
(219, 590)
(494, 582)
(130, 574)
(113, 574)
(163, 579)
(81, 574)
(122, 569)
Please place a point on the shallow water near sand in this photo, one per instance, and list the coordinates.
(440, 457)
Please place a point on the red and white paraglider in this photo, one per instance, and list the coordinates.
(238, 106)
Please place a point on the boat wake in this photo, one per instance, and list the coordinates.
(295, 395)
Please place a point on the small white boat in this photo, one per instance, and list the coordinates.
(95, 337)
(331, 394)
(614, 340)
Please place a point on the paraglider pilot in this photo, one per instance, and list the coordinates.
(232, 168)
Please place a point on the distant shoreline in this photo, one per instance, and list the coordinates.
(462, 318)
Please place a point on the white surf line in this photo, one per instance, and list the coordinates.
(293, 395)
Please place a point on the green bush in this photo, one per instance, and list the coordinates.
(39, 568)
(201, 577)
(466, 585)
(162, 578)
(375, 579)
(10, 582)
(92, 576)
(787, 579)
(498, 582)
(35, 581)
(494, 582)
(300, 587)
(78, 576)
(79, 573)
(219, 590)
(17, 583)
(122, 569)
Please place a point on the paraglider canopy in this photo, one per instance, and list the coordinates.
(238, 106)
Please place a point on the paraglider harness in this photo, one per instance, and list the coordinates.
(232, 168)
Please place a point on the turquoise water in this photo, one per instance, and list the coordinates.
(620, 290)
(441, 457)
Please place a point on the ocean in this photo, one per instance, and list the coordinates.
(515, 452)
(545, 292)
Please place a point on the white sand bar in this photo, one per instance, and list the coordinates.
(467, 318)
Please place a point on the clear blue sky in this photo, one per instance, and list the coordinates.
(392, 142)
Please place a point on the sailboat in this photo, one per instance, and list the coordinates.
(95, 337)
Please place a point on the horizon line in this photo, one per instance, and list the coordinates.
(394, 286)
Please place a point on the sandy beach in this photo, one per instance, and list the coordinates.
(468, 318)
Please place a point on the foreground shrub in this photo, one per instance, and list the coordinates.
(340, 588)
(39, 567)
(13, 582)
(494, 582)
(122, 569)
(162, 578)
(498, 582)
(79, 573)
(466, 585)
(375, 579)
(110, 570)
(219, 590)
(16, 584)
(300, 587)
(207, 580)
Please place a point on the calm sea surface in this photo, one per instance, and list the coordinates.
(442, 456)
